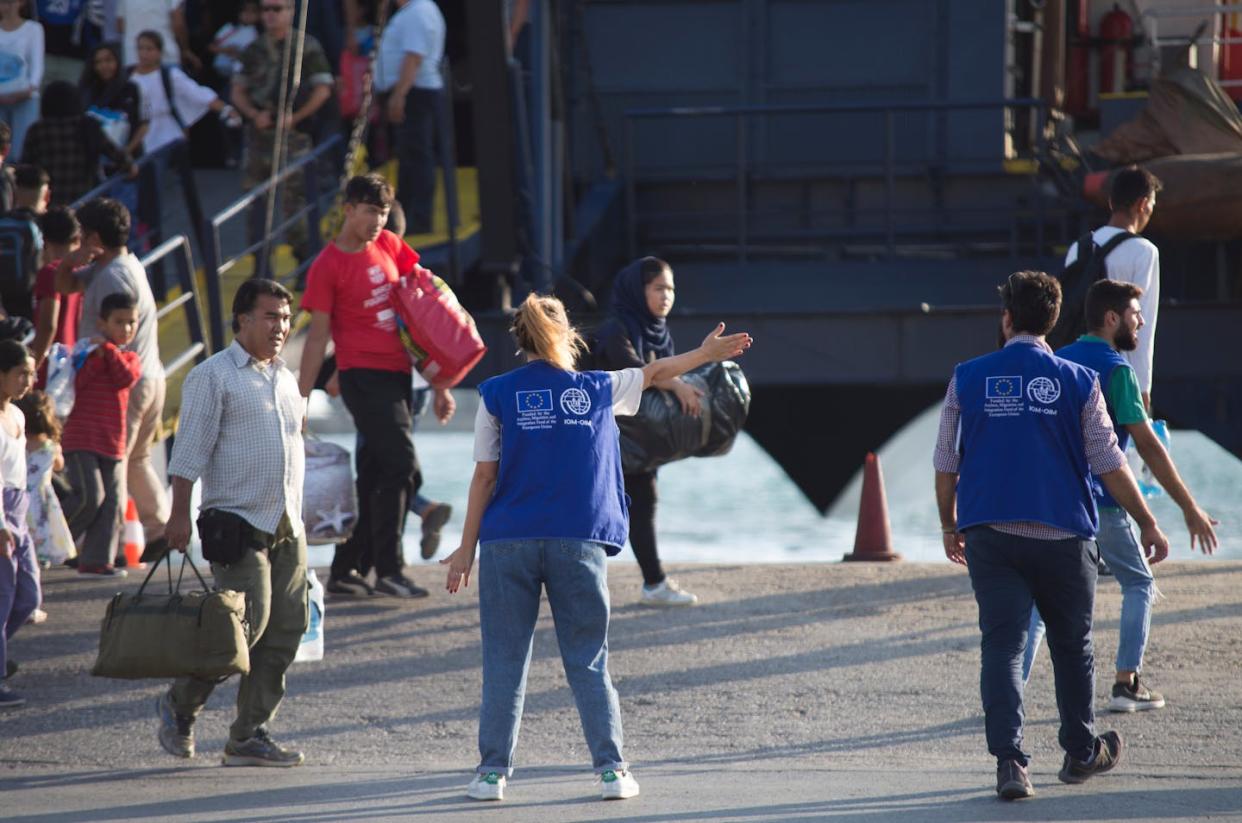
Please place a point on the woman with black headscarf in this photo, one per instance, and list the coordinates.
(634, 335)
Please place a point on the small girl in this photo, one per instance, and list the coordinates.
(46, 519)
(20, 593)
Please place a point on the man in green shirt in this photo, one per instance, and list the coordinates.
(1114, 318)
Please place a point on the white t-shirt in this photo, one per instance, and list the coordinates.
(149, 15)
(1136, 261)
(13, 450)
(232, 35)
(627, 393)
(21, 58)
(193, 101)
(416, 28)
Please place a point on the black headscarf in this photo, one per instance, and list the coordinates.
(647, 332)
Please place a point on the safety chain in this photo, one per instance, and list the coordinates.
(358, 133)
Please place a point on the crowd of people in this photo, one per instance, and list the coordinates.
(1032, 539)
(81, 460)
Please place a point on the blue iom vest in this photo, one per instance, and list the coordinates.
(1023, 457)
(560, 458)
(1102, 358)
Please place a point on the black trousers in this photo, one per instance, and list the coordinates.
(416, 157)
(388, 473)
(1010, 574)
(642, 491)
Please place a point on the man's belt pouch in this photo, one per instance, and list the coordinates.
(191, 633)
(225, 536)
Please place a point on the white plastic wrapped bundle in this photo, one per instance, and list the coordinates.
(329, 504)
(311, 647)
(60, 376)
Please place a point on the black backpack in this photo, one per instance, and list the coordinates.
(1076, 281)
(21, 243)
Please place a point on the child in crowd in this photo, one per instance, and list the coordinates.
(56, 315)
(94, 438)
(45, 518)
(20, 593)
(232, 38)
(230, 41)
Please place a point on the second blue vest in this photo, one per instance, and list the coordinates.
(560, 458)
(1102, 358)
(1023, 457)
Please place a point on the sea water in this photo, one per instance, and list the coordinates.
(742, 508)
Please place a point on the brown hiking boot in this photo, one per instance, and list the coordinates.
(1107, 755)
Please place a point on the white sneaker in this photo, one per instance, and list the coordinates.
(490, 786)
(617, 785)
(667, 593)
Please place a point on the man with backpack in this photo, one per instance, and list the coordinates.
(21, 242)
(1117, 252)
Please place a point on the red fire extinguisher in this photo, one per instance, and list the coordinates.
(1116, 51)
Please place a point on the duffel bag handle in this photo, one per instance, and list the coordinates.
(185, 560)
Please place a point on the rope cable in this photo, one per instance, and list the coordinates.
(279, 152)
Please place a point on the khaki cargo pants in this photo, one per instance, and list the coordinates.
(274, 582)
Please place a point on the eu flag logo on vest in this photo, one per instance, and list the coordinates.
(529, 402)
(1007, 386)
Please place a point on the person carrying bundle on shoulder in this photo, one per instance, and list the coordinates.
(634, 335)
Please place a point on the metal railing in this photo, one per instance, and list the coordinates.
(150, 203)
(743, 164)
(183, 259)
(312, 211)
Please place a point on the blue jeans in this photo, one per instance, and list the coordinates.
(511, 575)
(1009, 575)
(19, 116)
(20, 592)
(1124, 557)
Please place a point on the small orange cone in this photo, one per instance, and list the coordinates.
(874, 538)
(133, 540)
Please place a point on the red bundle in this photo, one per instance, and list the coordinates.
(349, 87)
(439, 335)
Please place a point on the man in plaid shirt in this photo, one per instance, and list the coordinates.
(241, 433)
(1021, 433)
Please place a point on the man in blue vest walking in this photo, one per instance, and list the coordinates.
(1021, 434)
(1114, 318)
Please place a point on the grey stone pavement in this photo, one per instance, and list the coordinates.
(793, 692)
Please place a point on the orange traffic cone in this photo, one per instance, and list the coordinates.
(132, 539)
(874, 539)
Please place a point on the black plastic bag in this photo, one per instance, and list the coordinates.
(661, 433)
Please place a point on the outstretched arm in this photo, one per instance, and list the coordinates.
(715, 348)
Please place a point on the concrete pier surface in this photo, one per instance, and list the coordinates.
(792, 692)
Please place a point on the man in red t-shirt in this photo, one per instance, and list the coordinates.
(56, 315)
(347, 295)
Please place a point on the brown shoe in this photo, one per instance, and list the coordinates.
(1012, 781)
(1107, 755)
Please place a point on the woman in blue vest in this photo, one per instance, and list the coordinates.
(634, 335)
(547, 505)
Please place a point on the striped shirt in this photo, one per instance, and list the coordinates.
(1099, 441)
(241, 432)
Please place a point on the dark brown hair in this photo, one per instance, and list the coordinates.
(40, 414)
(1109, 295)
(1033, 300)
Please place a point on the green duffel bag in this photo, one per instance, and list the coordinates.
(194, 633)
